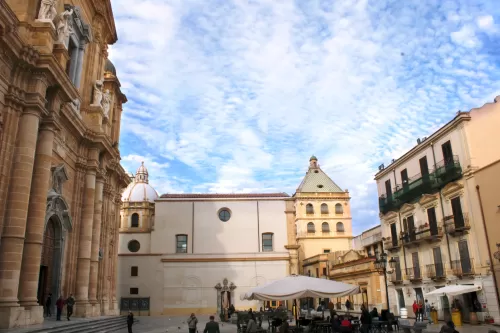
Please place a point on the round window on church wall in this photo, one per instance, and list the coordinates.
(134, 246)
(224, 214)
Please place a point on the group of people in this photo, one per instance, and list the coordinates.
(211, 327)
(420, 308)
(60, 303)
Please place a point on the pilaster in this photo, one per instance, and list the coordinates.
(83, 307)
(35, 225)
(12, 243)
(96, 235)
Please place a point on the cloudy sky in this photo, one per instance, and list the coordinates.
(236, 95)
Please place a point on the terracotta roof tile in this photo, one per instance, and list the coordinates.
(222, 195)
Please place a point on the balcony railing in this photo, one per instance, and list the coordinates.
(414, 273)
(445, 172)
(457, 225)
(463, 267)
(448, 171)
(423, 233)
(392, 245)
(396, 276)
(436, 271)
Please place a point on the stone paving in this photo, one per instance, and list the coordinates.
(178, 325)
(50, 322)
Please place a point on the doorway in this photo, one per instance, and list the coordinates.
(47, 263)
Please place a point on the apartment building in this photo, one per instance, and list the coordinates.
(431, 216)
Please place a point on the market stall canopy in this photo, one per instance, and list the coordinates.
(454, 290)
(297, 286)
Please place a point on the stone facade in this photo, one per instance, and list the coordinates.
(60, 177)
(432, 217)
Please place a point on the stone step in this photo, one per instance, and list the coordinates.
(78, 326)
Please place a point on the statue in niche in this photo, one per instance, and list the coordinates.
(106, 102)
(75, 104)
(97, 92)
(64, 26)
(48, 10)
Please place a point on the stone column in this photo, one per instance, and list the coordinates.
(12, 243)
(83, 308)
(96, 235)
(35, 224)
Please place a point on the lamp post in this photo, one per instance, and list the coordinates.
(381, 267)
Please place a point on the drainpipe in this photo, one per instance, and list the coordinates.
(400, 225)
(487, 242)
(442, 206)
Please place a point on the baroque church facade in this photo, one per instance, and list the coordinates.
(60, 176)
(184, 253)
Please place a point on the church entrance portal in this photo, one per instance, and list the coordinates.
(224, 297)
(48, 279)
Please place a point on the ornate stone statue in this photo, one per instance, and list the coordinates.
(106, 102)
(47, 10)
(75, 104)
(97, 92)
(64, 26)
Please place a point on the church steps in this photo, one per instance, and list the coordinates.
(102, 325)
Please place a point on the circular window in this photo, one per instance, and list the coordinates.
(134, 246)
(320, 186)
(316, 171)
(224, 214)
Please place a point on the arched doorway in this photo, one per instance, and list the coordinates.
(45, 280)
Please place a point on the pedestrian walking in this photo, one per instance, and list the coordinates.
(415, 309)
(130, 321)
(48, 304)
(59, 307)
(211, 326)
(428, 311)
(192, 322)
(70, 302)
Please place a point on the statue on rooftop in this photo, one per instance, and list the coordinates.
(47, 10)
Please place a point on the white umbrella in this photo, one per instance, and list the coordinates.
(297, 286)
(454, 290)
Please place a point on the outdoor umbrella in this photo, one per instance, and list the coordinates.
(298, 286)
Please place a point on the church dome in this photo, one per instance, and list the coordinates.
(109, 67)
(140, 190)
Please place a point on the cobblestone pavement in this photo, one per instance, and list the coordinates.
(177, 324)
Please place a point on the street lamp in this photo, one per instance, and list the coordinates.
(381, 267)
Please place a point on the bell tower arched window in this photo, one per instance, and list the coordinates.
(309, 209)
(339, 209)
(310, 228)
(325, 227)
(340, 227)
(135, 220)
(324, 208)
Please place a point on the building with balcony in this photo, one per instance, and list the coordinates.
(431, 216)
(323, 219)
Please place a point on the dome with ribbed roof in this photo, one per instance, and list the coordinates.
(140, 190)
(109, 67)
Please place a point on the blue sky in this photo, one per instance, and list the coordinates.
(235, 96)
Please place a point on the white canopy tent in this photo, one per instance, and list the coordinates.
(454, 290)
(297, 286)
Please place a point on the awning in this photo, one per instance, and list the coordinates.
(454, 290)
(293, 287)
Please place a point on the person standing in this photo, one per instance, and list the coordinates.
(366, 320)
(48, 304)
(59, 307)
(421, 310)
(192, 322)
(415, 309)
(130, 321)
(252, 324)
(348, 305)
(211, 326)
(428, 311)
(70, 302)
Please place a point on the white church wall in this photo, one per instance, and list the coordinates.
(144, 240)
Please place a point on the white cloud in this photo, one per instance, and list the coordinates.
(235, 96)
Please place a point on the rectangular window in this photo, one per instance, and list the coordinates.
(431, 217)
(388, 189)
(267, 242)
(134, 271)
(394, 234)
(424, 168)
(447, 153)
(182, 241)
(134, 291)
(458, 215)
(404, 177)
(326, 251)
(411, 228)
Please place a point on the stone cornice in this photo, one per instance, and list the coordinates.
(8, 29)
(103, 8)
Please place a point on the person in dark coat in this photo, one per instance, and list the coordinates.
(70, 302)
(48, 304)
(59, 307)
(130, 321)
(366, 320)
(211, 326)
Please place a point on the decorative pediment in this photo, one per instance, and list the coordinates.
(407, 208)
(57, 206)
(58, 178)
(352, 255)
(389, 218)
(428, 200)
(453, 189)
